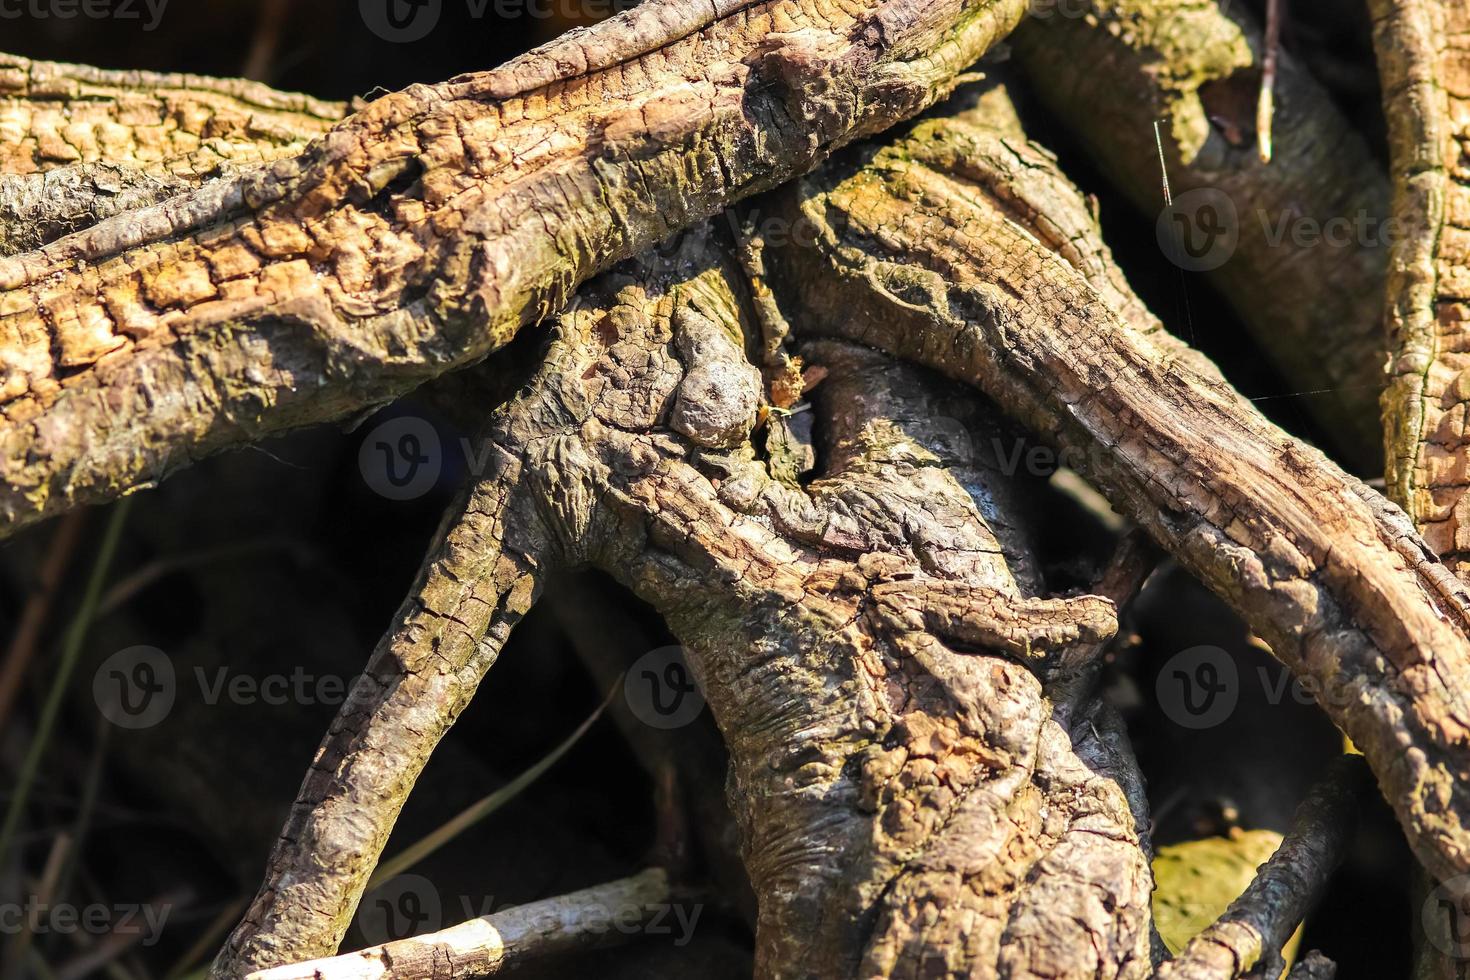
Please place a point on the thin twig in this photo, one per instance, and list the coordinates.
(481, 809)
(489, 944)
(1266, 108)
(62, 546)
(1250, 935)
(70, 654)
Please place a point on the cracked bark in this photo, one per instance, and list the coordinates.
(931, 251)
(1421, 49)
(906, 806)
(420, 233)
(926, 783)
(479, 579)
(1426, 94)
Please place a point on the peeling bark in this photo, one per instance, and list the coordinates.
(419, 234)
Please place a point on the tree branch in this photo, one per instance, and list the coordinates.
(421, 233)
(923, 250)
(479, 579)
(492, 944)
(1247, 940)
(1195, 69)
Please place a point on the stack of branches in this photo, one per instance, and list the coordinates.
(748, 343)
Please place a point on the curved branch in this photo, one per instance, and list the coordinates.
(1195, 69)
(932, 260)
(479, 580)
(421, 233)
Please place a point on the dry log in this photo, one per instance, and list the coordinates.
(420, 233)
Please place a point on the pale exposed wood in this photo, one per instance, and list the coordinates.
(599, 916)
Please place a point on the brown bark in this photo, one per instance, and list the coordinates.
(932, 251)
(423, 231)
(926, 781)
(1422, 47)
(479, 579)
(1194, 69)
(907, 806)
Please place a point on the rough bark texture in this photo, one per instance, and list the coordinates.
(1194, 67)
(480, 578)
(930, 250)
(926, 781)
(422, 232)
(1423, 52)
(908, 807)
(1421, 47)
(908, 797)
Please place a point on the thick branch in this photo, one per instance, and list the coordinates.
(1195, 69)
(422, 232)
(923, 251)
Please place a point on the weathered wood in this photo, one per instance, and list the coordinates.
(492, 944)
(420, 233)
(1423, 49)
(1194, 70)
(931, 250)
